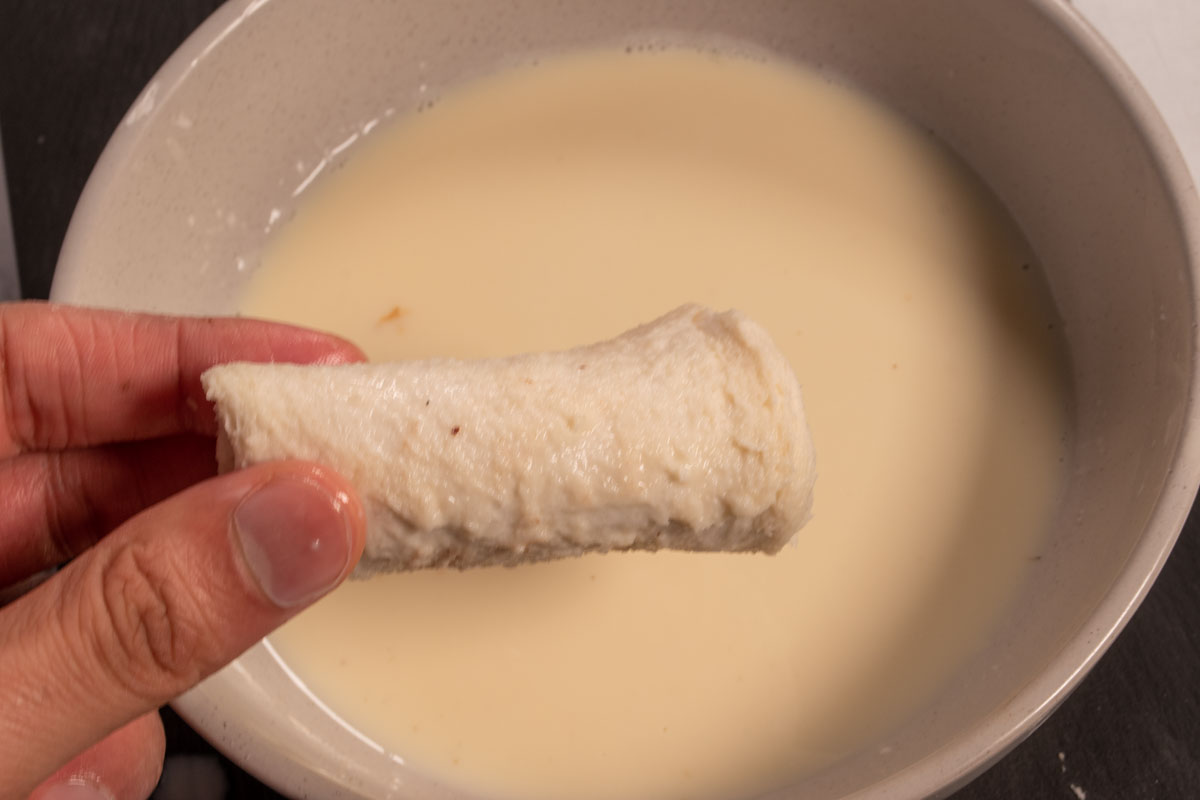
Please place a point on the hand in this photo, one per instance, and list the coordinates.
(103, 427)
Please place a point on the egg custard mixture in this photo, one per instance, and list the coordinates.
(560, 204)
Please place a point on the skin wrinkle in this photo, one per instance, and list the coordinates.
(49, 424)
(74, 623)
(153, 648)
(178, 623)
(33, 628)
(21, 495)
(18, 494)
(57, 539)
(90, 526)
(63, 372)
(51, 626)
(26, 418)
(98, 413)
(87, 339)
(10, 378)
(6, 405)
(74, 378)
(58, 504)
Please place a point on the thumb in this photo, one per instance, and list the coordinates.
(162, 602)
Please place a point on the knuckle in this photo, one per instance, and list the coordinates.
(10, 415)
(72, 520)
(152, 640)
(41, 407)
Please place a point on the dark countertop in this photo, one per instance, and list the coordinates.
(69, 69)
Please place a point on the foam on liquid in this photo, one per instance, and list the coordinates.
(547, 207)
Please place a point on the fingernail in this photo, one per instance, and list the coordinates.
(295, 536)
(75, 790)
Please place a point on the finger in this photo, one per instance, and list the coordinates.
(162, 602)
(56, 505)
(125, 765)
(74, 377)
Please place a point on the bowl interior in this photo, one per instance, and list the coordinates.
(268, 94)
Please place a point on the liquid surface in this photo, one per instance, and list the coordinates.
(552, 206)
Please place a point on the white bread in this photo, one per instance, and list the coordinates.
(686, 433)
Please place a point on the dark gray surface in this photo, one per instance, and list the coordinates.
(10, 281)
(69, 69)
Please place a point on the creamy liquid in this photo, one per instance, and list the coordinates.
(551, 206)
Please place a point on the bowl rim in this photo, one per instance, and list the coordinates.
(72, 256)
(960, 760)
(1002, 730)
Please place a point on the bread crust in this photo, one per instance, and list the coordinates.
(687, 433)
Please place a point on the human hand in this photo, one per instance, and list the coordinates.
(103, 427)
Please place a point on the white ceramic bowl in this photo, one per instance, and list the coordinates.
(1024, 90)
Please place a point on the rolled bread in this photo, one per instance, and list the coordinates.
(686, 433)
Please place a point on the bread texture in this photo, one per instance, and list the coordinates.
(687, 433)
